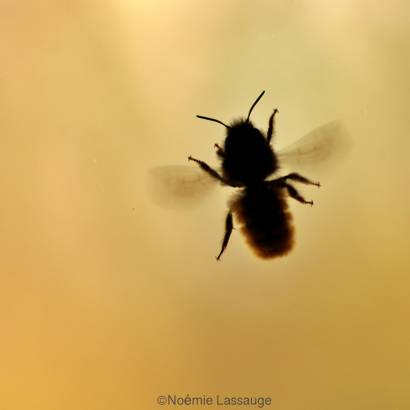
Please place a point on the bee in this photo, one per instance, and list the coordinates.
(248, 161)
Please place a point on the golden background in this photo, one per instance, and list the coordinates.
(106, 300)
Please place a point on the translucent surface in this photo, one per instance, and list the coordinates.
(106, 300)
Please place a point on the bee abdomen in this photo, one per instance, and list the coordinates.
(265, 221)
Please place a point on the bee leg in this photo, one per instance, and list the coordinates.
(219, 151)
(207, 169)
(271, 129)
(294, 176)
(228, 231)
(295, 194)
(210, 171)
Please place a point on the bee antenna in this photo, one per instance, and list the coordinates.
(253, 105)
(213, 119)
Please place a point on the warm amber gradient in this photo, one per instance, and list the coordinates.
(106, 300)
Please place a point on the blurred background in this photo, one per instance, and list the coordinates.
(107, 300)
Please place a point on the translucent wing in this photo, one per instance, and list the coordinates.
(178, 186)
(324, 146)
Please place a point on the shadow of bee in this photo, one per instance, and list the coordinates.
(247, 159)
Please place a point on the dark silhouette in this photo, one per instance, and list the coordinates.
(260, 207)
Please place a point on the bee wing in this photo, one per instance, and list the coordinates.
(324, 146)
(178, 186)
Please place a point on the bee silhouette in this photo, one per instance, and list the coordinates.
(247, 158)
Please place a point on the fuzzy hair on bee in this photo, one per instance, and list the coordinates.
(260, 207)
(265, 220)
